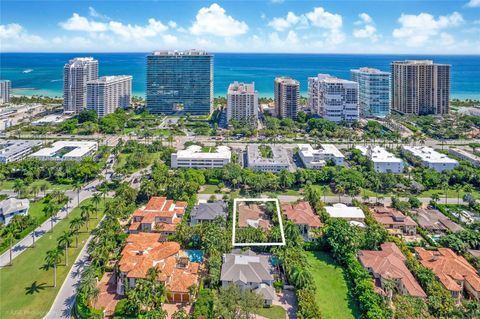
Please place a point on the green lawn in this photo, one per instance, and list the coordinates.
(274, 312)
(8, 185)
(26, 289)
(332, 292)
(450, 193)
(35, 210)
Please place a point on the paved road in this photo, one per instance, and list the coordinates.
(343, 199)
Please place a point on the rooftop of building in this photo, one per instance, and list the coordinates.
(191, 52)
(449, 267)
(378, 154)
(331, 79)
(144, 251)
(110, 78)
(209, 211)
(159, 207)
(389, 263)
(12, 147)
(197, 151)
(242, 88)
(308, 150)
(434, 220)
(286, 80)
(279, 155)
(428, 154)
(390, 216)
(78, 148)
(13, 204)
(466, 153)
(340, 210)
(246, 267)
(366, 70)
(253, 215)
(301, 213)
(416, 62)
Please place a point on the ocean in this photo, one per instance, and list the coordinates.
(42, 73)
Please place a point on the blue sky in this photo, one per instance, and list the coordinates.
(340, 26)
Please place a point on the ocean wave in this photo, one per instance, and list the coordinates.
(57, 80)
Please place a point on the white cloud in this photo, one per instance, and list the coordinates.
(324, 19)
(129, 31)
(169, 39)
(18, 38)
(94, 13)
(473, 4)
(292, 37)
(281, 24)
(416, 30)
(172, 24)
(446, 38)
(213, 20)
(367, 28)
(78, 23)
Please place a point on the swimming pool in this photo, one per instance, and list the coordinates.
(195, 255)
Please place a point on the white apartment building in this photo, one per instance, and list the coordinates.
(383, 161)
(242, 103)
(66, 151)
(466, 156)
(317, 158)
(431, 158)
(76, 73)
(5, 91)
(337, 99)
(374, 91)
(279, 160)
(287, 97)
(312, 95)
(195, 156)
(15, 150)
(107, 93)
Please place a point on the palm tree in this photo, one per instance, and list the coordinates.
(51, 260)
(445, 189)
(389, 286)
(35, 225)
(64, 241)
(301, 277)
(340, 190)
(96, 200)
(9, 239)
(77, 187)
(75, 225)
(88, 284)
(50, 211)
(435, 197)
(43, 188)
(18, 186)
(152, 274)
(324, 191)
(458, 188)
(85, 214)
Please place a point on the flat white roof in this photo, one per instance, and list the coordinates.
(308, 150)
(80, 148)
(195, 151)
(52, 119)
(378, 154)
(340, 210)
(428, 154)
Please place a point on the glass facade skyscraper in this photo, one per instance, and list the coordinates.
(374, 91)
(180, 82)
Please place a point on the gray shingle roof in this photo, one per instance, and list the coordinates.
(246, 268)
(209, 211)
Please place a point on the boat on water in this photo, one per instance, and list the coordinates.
(27, 70)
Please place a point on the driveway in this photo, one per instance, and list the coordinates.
(287, 301)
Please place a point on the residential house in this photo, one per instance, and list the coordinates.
(252, 215)
(302, 214)
(249, 271)
(389, 264)
(453, 271)
(394, 221)
(352, 214)
(435, 222)
(12, 207)
(160, 215)
(207, 212)
(144, 251)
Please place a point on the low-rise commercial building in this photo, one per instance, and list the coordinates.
(383, 161)
(466, 156)
(201, 157)
(15, 150)
(66, 151)
(248, 270)
(453, 271)
(175, 269)
(431, 158)
(317, 158)
(278, 161)
(352, 214)
(388, 264)
(12, 207)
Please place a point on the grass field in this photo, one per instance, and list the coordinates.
(27, 290)
(332, 292)
(8, 185)
(274, 312)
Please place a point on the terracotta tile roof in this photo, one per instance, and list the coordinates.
(301, 213)
(390, 216)
(449, 268)
(144, 251)
(134, 226)
(251, 215)
(156, 203)
(389, 263)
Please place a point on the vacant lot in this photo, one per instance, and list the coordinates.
(332, 292)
